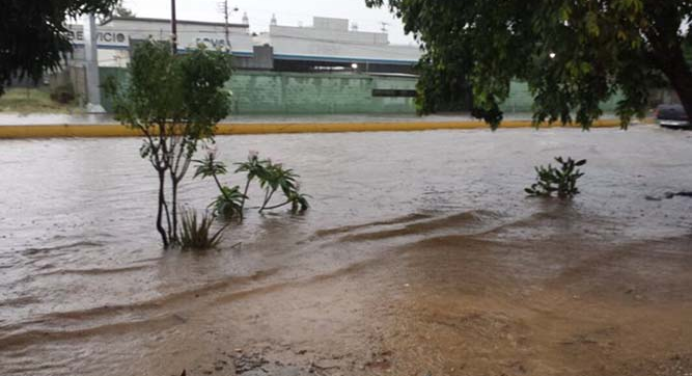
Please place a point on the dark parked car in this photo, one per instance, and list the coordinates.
(672, 116)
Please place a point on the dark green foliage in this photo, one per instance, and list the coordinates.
(196, 233)
(574, 55)
(299, 202)
(253, 167)
(272, 178)
(275, 177)
(175, 101)
(209, 167)
(33, 35)
(562, 181)
(229, 203)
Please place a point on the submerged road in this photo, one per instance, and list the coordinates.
(420, 255)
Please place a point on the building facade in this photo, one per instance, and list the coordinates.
(329, 45)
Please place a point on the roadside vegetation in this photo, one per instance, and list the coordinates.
(197, 232)
(574, 55)
(271, 177)
(35, 100)
(561, 181)
(175, 101)
(35, 36)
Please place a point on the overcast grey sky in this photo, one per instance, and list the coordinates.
(288, 12)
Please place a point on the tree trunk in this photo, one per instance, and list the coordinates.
(680, 76)
(162, 202)
(174, 202)
(247, 187)
(669, 57)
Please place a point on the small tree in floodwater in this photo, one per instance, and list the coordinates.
(562, 181)
(175, 101)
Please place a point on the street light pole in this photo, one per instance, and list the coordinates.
(174, 28)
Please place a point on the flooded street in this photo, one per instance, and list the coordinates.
(420, 255)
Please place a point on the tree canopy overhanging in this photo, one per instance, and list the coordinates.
(33, 34)
(574, 55)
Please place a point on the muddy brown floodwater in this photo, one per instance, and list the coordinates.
(421, 256)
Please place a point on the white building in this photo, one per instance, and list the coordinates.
(114, 37)
(329, 44)
(329, 40)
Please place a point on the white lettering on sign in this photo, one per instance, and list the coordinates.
(213, 42)
(108, 37)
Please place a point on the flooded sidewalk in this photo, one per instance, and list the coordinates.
(421, 255)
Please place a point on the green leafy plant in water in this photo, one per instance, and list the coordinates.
(230, 202)
(274, 178)
(562, 181)
(175, 101)
(254, 167)
(196, 232)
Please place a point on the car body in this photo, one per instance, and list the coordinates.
(672, 116)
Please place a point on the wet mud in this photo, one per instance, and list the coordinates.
(421, 256)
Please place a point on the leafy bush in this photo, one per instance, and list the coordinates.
(562, 181)
(272, 178)
(254, 168)
(230, 202)
(196, 234)
(276, 177)
(174, 101)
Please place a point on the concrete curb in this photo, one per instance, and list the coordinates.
(118, 130)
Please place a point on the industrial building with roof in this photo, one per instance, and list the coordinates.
(329, 45)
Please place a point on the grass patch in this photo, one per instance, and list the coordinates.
(34, 100)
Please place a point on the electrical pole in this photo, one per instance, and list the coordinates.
(174, 28)
(225, 14)
(223, 8)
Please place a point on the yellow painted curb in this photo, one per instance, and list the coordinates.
(117, 130)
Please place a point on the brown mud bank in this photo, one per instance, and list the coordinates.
(458, 294)
(472, 305)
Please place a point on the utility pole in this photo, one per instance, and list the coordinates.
(225, 17)
(225, 10)
(174, 29)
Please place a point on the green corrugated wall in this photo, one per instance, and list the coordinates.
(278, 93)
(262, 92)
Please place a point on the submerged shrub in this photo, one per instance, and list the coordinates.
(174, 101)
(229, 203)
(272, 178)
(275, 177)
(196, 233)
(562, 181)
(254, 167)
